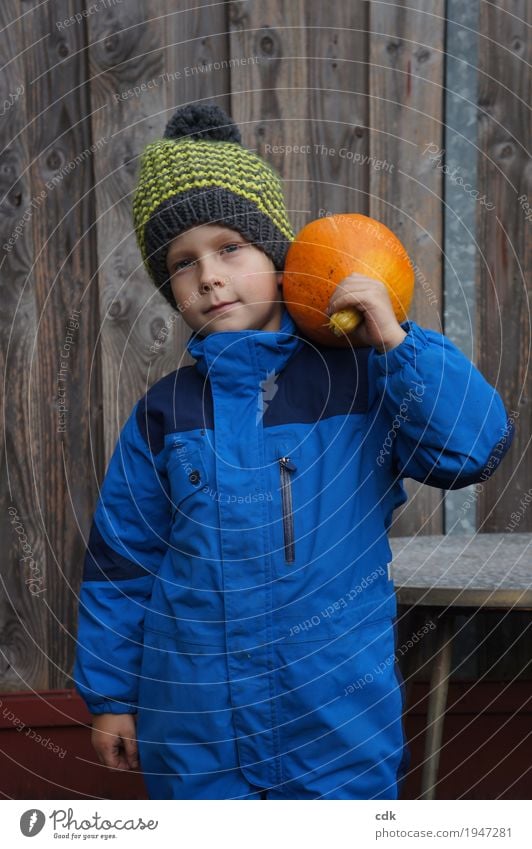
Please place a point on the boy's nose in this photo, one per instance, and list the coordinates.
(209, 270)
(207, 284)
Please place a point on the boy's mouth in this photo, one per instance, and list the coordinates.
(221, 306)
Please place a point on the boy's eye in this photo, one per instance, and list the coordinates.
(177, 266)
(183, 263)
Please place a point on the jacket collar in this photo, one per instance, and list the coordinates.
(237, 356)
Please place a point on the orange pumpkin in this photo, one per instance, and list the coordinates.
(328, 250)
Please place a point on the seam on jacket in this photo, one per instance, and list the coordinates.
(497, 455)
(406, 755)
(140, 414)
(458, 481)
(406, 353)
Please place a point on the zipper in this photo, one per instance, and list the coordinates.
(286, 469)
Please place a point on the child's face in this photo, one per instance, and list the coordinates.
(210, 264)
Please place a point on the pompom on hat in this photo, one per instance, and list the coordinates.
(199, 173)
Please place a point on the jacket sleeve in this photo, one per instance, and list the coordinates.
(127, 542)
(448, 425)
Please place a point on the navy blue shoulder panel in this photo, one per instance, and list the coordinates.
(102, 563)
(180, 401)
(316, 383)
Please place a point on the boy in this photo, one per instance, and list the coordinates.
(237, 616)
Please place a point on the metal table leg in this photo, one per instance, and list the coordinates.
(439, 684)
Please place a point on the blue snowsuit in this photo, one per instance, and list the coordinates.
(236, 591)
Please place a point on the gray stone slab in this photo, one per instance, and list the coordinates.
(484, 570)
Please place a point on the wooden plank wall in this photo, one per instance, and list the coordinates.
(365, 79)
(505, 255)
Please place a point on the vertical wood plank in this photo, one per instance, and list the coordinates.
(303, 104)
(22, 615)
(505, 261)
(57, 248)
(198, 55)
(270, 104)
(65, 250)
(338, 106)
(460, 210)
(406, 116)
(126, 52)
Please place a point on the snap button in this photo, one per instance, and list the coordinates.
(194, 477)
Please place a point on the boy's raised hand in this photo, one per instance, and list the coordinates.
(379, 327)
(114, 737)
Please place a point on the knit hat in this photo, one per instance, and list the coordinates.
(200, 172)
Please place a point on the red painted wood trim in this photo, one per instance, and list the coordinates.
(470, 697)
(43, 708)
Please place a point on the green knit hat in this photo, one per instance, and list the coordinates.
(201, 173)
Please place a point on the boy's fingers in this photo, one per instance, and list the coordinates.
(107, 756)
(360, 282)
(131, 750)
(113, 756)
(108, 751)
(121, 753)
(341, 301)
(361, 299)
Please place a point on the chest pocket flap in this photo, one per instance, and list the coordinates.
(186, 467)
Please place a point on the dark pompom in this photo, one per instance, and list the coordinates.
(202, 121)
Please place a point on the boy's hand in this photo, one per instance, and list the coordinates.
(114, 737)
(379, 326)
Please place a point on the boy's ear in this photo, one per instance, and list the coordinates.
(280, 279)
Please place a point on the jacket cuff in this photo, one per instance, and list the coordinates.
(112, 707)
(405, 353)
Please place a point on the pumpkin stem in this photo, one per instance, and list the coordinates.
(344, 321)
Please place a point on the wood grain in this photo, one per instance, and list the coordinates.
(303, 104)
(22, 616)
(125, 50)
(54, 332)
(406, 42)
(269, 102)
(505, 255)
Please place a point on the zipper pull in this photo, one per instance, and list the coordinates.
(287, 464)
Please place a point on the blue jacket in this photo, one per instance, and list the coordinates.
(236, 592)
